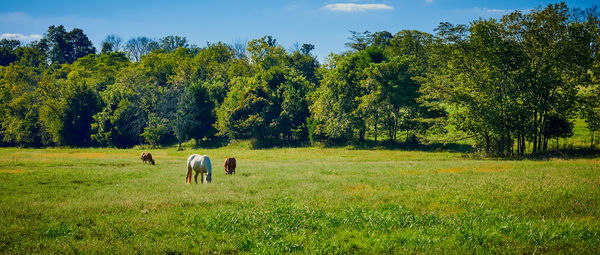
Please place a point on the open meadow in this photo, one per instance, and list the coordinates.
(299, 200)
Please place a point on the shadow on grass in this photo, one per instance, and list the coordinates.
(565, 154)
(413, 146)
(210, 143)
(573, 153)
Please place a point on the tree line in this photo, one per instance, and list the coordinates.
(512, 84)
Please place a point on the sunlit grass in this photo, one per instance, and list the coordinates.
(302, 200)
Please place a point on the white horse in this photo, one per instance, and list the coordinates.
(200, 164)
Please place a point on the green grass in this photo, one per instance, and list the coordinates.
(301, 200)
(581, 136)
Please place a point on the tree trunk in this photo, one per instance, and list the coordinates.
(510, 145)
(518, 142)
(487, 144)
(500, 146)
(361, 134)
(519, 145)
(592, 143)
(376, 131)
(540, 145)
(535, 135)
(395, 128)
(543, 143)
(523, 143)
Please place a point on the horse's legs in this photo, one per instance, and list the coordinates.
(196, 177)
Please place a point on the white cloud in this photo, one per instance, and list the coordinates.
(13, 17)
(495, 10)
(21, 37)
(429, 1)
(486, 11)
(350, 7)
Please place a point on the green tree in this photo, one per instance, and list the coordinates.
(172, 42)
(156, 130)
(19, 106)
(591, 114)
(127, 104)
(557, 127)
(58, 45)
(265, 53)
(270, 107)
(382, 38)
(335, 102)
(505, 80)
(214, 62)
(587, 23)
(31, 55)
(80, 44)
(306, 64)
(98, 71)
(390, 86)
(473, 73)
(553, 64)
(7, 51)
(590, 106)
(67, 113)
(195, 114)
(66, 47)
(106, 48)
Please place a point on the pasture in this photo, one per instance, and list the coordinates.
(300, 200)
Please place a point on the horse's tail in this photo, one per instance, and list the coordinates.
(227, 163)
(188, 178)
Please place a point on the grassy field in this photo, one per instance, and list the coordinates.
(301, 200)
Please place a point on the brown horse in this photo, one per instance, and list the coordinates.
(146, 156)
(230, 166)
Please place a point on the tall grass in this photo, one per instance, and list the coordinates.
(300, 200)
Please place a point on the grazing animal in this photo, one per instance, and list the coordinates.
(201, 165)
(230, 166)
(146, 156)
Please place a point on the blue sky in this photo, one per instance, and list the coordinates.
(323, 23)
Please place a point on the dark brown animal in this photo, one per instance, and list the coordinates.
(146, 156)
(230, 166)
